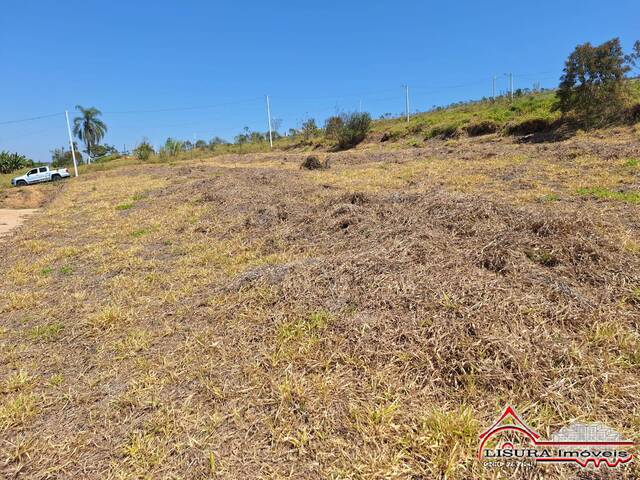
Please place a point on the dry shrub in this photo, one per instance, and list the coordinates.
(313, 163)
(632, 114)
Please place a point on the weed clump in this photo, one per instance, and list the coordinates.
(314, 163)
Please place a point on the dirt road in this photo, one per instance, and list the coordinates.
(12, 218)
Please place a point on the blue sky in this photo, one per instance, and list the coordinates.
(146, 63)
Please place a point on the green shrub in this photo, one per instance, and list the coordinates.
(355, 127)
(61, 157)
(143, 151)
(171, 148)
(13, 161)
(332, 127)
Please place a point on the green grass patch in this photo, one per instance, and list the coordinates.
(124, 206)
(306, 327)
(448, 122)
(46, 271)
(45, 332)
(140, 233)
(551, 197)
(607, 194)
(66, 270)
(632, 162)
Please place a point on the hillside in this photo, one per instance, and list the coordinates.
(238, 317)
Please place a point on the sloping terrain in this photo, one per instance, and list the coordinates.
(239, 317)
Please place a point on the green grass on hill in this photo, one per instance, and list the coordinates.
(501, 112)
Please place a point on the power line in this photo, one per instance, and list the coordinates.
(28, 134)
(32, 118)
(325, 97)
(181, 109)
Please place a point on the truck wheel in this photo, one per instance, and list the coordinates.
(55, 178)
(21, 183)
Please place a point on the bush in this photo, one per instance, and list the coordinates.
(143, 151)
(332, 127)
(593, 85)
(61, 157)
(483, 127)
(633, 113)
(355, 127)
(171, 148)
(529, 126)
(13, 161)
(309, 129)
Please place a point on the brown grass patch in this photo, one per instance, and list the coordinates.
(361, 322)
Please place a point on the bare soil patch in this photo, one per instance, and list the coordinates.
(12, 218)
(33, 196)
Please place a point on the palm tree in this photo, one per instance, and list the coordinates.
(89, 128)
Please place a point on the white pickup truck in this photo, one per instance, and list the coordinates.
(39, 175)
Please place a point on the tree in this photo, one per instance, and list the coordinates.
(309, 129)
(61, 157)
(201, 144)
(634, 56)
(89, 128)
(13, 161)
(215, 141)
(171, 147)
(242, 138)
(104, 150)
(144, 150)
(592, 86)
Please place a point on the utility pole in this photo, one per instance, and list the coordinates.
(406, 101)
(360, 106)
(493, 96)
(510, 75)
(269, 118)
(73, 151)
(511, 85)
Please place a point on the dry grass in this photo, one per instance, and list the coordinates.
(243, 318)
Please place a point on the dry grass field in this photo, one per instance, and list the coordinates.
(239, 317)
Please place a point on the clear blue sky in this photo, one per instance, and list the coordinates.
(312, 58)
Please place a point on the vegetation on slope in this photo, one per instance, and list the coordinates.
(242, 317)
